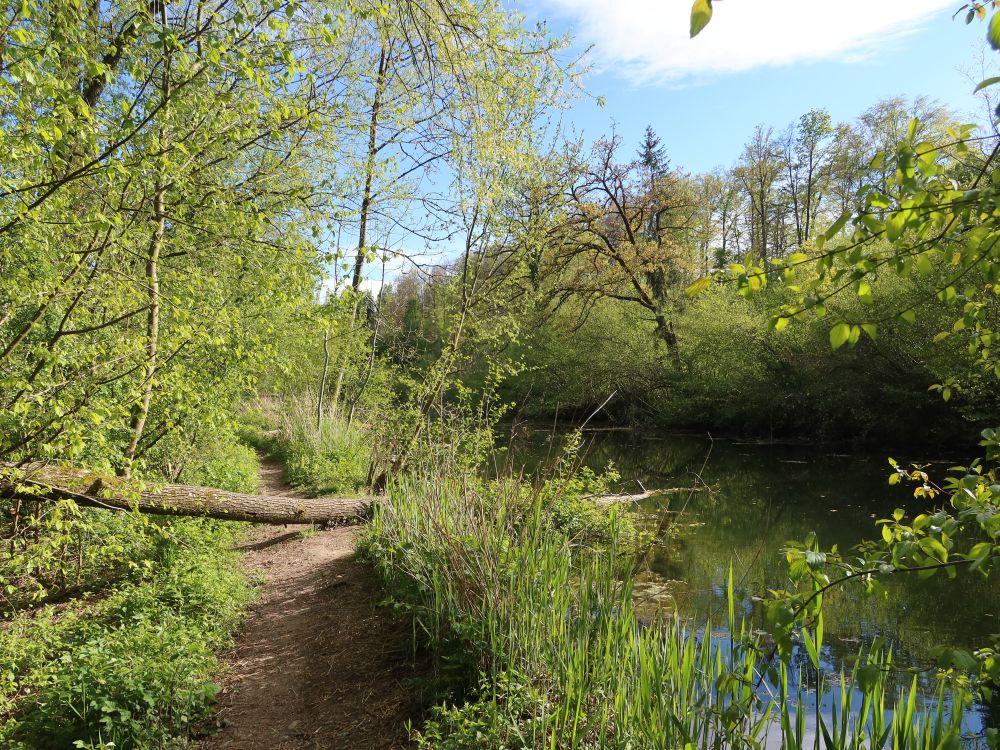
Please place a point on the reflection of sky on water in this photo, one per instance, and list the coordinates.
(760, 497)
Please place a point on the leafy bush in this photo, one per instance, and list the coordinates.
(227, 465)
(738, 375)
(326, 459)
(330, 460)
(130, 660)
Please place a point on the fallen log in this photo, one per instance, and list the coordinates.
(611, 499)
(46, 482)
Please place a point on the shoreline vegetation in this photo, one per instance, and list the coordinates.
(355, 238)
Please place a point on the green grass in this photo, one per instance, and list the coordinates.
(539, 645)
(324, 459)
(229, 465)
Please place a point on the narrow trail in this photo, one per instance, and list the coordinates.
(317, 665)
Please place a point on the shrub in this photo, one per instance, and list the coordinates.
(227, 465)
(326, 459)
(130, 661)
(135, 668)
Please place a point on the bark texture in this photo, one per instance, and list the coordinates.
(44, 482)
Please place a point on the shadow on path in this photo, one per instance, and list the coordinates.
(317, 664)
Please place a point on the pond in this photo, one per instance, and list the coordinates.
(758, 497)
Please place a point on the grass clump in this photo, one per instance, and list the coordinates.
(328, 458)
(229, 465)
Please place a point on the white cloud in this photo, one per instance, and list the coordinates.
(647, 40)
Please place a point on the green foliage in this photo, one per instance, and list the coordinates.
(329, 461)
(506, 721)
(136, 667)
(931, 220)
(326, 459)
(540, 641)
(740, 375)
(571, 497)
(227, 465)
(962, 537)
(129, 657)
(56, 548)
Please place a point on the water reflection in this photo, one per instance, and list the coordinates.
(760, 497)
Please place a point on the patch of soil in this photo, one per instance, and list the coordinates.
(317, 665)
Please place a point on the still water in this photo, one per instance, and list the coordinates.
(758, 497)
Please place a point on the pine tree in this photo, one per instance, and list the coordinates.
(653, 155)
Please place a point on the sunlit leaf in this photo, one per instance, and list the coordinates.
(993, 35)
(985, 83)
(701, 14)
(839, 335)
(699, 286)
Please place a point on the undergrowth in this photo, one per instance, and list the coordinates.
(328, 458)
(111, 620)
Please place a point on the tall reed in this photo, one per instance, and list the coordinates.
(538, 628)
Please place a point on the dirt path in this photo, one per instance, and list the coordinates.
(317, 665)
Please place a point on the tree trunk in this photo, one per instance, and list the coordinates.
(141, 410)
(322, 379)
(51, 483)
(665, 330)
(366, 197)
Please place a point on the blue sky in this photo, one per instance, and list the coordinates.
(761, 61)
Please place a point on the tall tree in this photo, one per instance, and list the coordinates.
(806, 149)
(759, 171)
(653, 155)
(624, 239)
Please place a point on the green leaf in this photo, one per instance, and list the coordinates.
(908, 316)
(965, 661)
(699, 286)
(894, 225)
(811, 648)
(993, 35)
(865, 292)
(837, 225)
(701, 14)
(854, 335)
(839, 335)
(868, 678)
(933, 548)
(988, 82)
